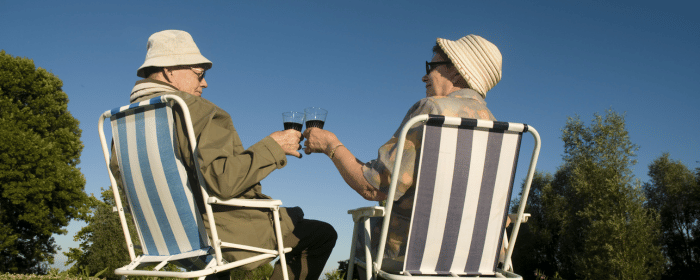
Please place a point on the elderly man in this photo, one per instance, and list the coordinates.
(174, 65)
(456, 82)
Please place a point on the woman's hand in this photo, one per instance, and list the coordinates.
(319, 140)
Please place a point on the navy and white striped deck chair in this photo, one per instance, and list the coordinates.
(464, 184)
(168, 222)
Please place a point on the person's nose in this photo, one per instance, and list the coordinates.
(425, 78)
(203, 83)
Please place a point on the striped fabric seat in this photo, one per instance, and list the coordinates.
(465, 180)
(168, 222)
(155, 181)
(462, 196)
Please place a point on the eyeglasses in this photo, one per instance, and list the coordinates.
(430, 66)
(200, 75)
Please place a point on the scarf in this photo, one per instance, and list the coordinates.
(148, 86)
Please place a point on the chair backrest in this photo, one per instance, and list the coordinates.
(154, 179)
(463, 191)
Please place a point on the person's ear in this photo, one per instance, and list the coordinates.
(457, 80)
(456, 77)
(167, 74)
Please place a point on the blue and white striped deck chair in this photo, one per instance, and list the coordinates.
(168, 222)
(464, 184)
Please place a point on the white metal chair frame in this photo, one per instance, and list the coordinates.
(361, 215)
(214, 266)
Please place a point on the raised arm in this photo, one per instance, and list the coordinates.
(350, 168)
(228, 169)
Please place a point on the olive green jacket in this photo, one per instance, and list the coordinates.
(230, 171)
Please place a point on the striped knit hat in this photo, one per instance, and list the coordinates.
(477, 60)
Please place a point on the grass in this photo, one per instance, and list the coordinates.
(54, 274)
(43, 277)
(261, 273)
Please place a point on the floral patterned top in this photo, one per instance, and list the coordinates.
(465, 103)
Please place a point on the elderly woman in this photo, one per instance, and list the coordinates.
(456, 82)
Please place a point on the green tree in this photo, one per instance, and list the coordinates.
(102, 242)
(41, 188)
(537, 244)
(675, 193)
(588, 220)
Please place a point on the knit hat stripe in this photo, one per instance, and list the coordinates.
(485, 63)
(477, 60)
(471, 53)
(490, 50)
(450, 50)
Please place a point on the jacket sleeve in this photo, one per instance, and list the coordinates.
(226, 167)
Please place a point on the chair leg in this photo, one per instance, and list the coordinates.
(280, 246)
(504, 247)
(368, 254)
(351, 261)
(502, 253)
(211, 263)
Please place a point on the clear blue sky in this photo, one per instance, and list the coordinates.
(363, 61)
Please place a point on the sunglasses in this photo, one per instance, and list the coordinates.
(200, 75)
(430, 66)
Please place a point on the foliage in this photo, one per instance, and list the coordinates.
(536, 246)
(588, 220)
(539, 275)
(102, 244)
(341, 272)
(86, 272)
(262, 272)
(52, 275)
(334, 275)
(675, 193)
(41, 187)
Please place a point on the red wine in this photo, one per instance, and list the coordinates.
(292, 125)
(314, 123)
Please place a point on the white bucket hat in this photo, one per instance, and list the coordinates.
(477, 60)
(172, 48)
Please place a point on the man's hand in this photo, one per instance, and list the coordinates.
(289, 141)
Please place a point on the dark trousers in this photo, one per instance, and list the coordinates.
(312, 242)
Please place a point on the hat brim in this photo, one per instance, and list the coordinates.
(174, 60)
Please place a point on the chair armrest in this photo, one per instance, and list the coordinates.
(514, 217)
(255, 203)
(371, 211)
